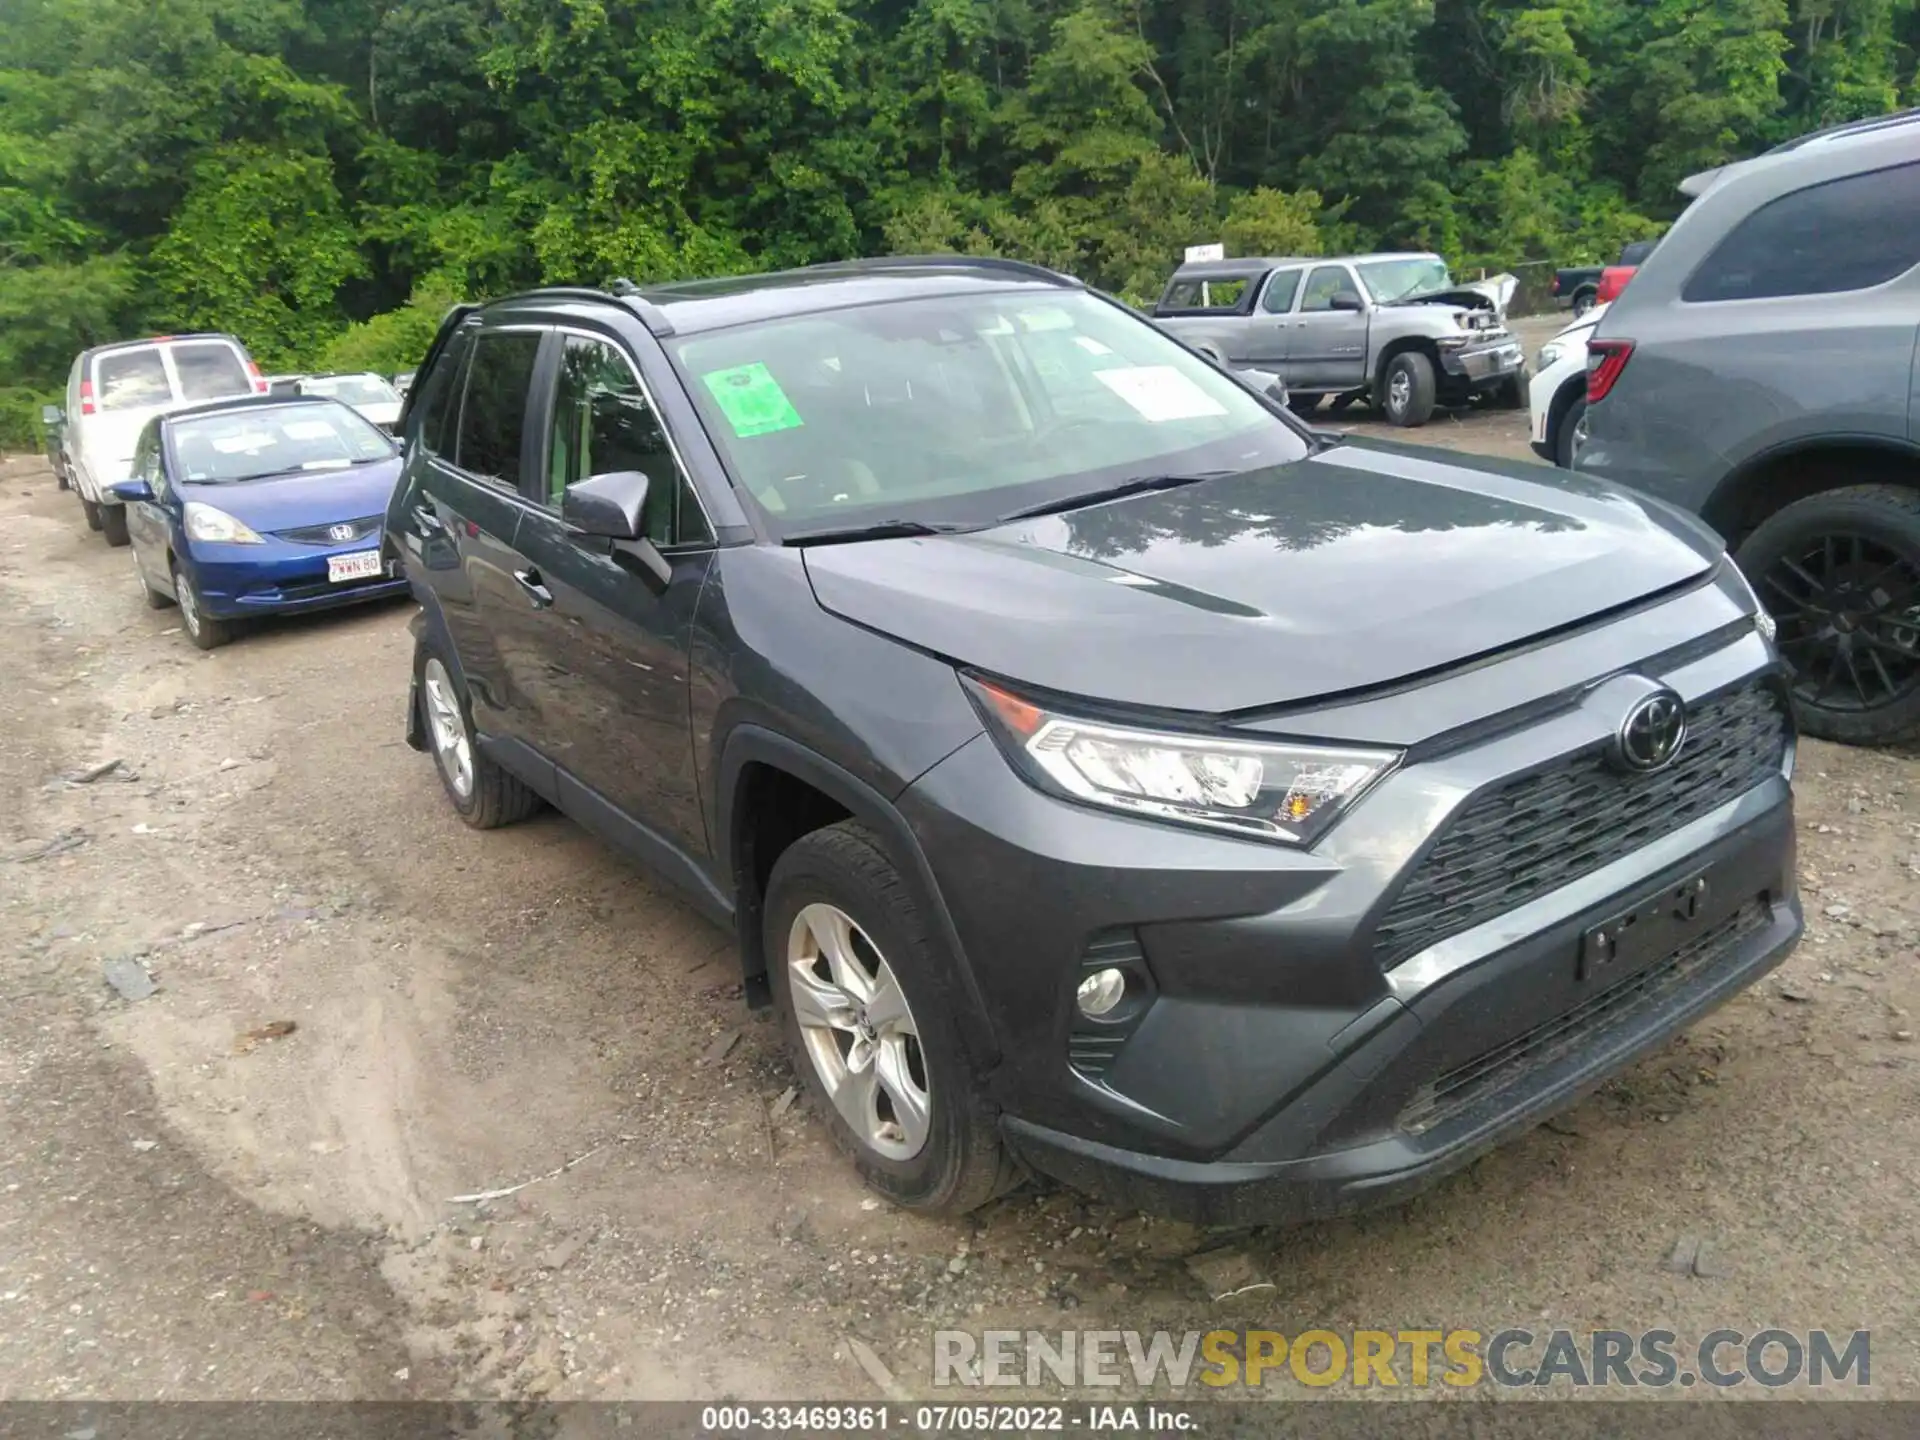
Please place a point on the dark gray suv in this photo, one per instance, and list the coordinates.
(1760, 370)
(1103, 773)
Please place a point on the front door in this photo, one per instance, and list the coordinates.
(610, 679)
(147, 524)
(1327, 345)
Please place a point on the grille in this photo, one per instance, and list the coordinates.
(1549, 828)
(319, 534)
(1465, 1086)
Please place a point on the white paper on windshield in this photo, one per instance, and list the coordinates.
(1052, 318)
(239, 444)
(1160, 393)
(1091, 345)
(308, 430)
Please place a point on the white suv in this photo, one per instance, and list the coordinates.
(113, 390)
(1558, 392)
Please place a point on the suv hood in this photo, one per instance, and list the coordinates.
(1356, 568)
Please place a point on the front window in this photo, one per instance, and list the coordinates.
(962, 409)
(131, 380)
(254, 444)
(353, 389)
(1391, 280)
(210, 371)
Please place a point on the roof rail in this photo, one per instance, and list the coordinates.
(1850, 127)
(962, 262)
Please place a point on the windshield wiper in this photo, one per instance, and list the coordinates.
(876, 530)
(1138, 485)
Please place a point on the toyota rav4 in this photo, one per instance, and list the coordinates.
(1103, 773)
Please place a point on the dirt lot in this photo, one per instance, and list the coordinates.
(186, 1211)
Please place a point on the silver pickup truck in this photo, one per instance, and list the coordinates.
(1392, 329)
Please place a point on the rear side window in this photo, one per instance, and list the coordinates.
(1280, 292)
(439, 395)
(210, 372)
(1841, 235)
(130, 379)
(494, 416)
(1222, 292)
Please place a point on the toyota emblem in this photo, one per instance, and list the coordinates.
(340, 532)
(1653, 732)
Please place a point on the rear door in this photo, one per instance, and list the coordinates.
(1327, 347)
(607, 671)
(1267, 327)
(123, 390)
(211, 369)
(468, 510)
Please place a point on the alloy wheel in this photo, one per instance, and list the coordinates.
(1399, 392)
(859, 1031)
(1848, 608)
(448, 726)
(189, 603)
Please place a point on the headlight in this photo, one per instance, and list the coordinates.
(1549, 355)
(1285, 793)
(203, 522)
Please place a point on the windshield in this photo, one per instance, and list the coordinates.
(354, 389)
(1392, 280)
(273, 440)
(959, 409)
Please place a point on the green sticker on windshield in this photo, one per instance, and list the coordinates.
(752, 399)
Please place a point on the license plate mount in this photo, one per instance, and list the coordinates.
(1635, 937)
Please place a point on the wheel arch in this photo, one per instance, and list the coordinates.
(1573, 388)
(757, 765)
(1396, 348)
(1768, 482)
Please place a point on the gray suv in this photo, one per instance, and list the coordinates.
(1759, 370)
(1101, 773)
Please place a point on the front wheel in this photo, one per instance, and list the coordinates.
(1407, 389)
(1572, 430)
(207, 632)
(856, 976)
(1840, 573)
(1511, 393)
(1583, 302)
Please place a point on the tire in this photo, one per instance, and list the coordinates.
(91, 511)
(113, 524)
(1570, 421)
(1511, 393)
(60, 478)
(483, 794)
(155, 600)
(1407, 389)
(951, 1162)
(1840, 572)
(1583, 301)
(1303, 404)
(207, 632)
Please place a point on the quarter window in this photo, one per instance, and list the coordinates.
(603, 422)
(493, 417)
(1847, 234)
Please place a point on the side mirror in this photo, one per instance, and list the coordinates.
(613, 505)
(133, 491)
(52, 416)
(1348, 301)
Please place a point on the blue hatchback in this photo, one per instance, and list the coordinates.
(262, 506)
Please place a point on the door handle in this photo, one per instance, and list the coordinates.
(426, 521)
(529, 581)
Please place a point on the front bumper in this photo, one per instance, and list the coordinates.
(279, 577)
(1485, 363)
(1275, 1061)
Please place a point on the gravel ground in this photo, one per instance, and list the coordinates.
(197, 1201)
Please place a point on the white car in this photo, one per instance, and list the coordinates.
(1558, 394)
(372, 395)
(113, 390)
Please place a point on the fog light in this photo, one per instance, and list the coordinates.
(1101, 991)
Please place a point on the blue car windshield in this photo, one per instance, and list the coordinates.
(256, 443)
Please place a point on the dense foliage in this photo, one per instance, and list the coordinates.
(323, 178)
